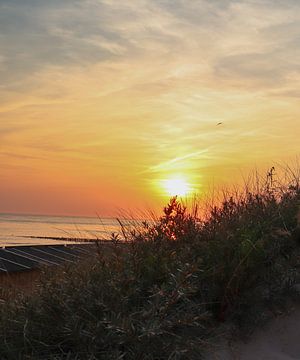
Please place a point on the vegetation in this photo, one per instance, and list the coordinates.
(165, 292)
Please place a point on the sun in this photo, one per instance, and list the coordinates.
(176, 187)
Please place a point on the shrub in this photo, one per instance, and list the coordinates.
(162, 293)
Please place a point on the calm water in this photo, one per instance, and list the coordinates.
(16, 229)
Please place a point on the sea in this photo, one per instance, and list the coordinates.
(17, 230)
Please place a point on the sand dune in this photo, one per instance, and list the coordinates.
(279, 340)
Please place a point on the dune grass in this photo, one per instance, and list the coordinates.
(166, 292)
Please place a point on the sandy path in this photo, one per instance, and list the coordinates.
(279, 340)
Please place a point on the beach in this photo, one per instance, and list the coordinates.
(18, 230)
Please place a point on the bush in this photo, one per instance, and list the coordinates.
(162, 293)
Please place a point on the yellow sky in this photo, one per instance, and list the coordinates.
(102, 101)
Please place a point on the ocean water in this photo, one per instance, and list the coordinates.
(34, 230)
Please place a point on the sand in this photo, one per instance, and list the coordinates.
(278, 340)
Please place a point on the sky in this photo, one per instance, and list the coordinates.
(102, 102)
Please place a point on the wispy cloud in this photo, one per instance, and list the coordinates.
(169, 165)
(234, 39)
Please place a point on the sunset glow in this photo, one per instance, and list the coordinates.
(101, 99)
(176, 187)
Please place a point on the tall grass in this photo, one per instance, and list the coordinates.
(164, 293)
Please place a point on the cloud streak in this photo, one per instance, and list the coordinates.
(235, 40)
(169, 165)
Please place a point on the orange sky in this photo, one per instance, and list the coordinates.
(101, 101)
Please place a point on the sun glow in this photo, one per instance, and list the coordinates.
(176, 187)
